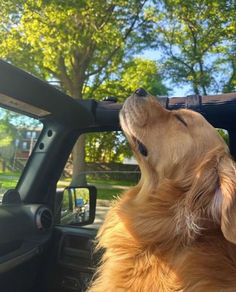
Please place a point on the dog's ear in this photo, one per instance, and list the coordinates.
(217, 176)
(227, 195)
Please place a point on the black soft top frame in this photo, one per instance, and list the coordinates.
(45, 100)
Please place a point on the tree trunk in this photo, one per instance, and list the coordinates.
(229, 86)
(79, 165)
(195, 88)
(202, 77)
(78, 154)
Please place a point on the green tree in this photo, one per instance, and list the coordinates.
(6, 135)
(224, 135)
(107, 147)
(8, 131)
(135, 73)
(230, 59)
(75, 43)
(196, 37)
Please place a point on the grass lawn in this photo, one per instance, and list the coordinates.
(15, 174)
(111, 182)
(103, 181)
(103, 193)
(108, 194)
(8, 183)
(9, 179)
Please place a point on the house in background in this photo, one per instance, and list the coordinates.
(131, 161)
(14, 155)
(26, 141)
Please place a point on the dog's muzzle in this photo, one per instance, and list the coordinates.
(139, 94)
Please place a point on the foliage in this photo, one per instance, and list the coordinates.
(70, 41)
(106, 147)
(230, 70)
(224, 135)
(135, 73)
(7, 130)
(6, 136)
(198, 42)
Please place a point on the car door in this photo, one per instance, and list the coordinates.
(25, 228)
(35, 254)
(72, 243)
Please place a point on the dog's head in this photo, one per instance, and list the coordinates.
(184, 161)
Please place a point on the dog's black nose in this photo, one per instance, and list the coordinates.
(141, 92)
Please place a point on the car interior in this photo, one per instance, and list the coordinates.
(38, 252)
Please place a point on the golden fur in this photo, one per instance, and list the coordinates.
(174, 231)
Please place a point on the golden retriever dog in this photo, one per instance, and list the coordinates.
(175, 230)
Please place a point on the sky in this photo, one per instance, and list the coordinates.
(155, 55)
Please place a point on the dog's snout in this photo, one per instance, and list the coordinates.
(141, 92)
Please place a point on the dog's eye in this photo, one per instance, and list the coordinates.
(142, 149)
(178, 117)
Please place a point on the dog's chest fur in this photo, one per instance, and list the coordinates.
(129, 265)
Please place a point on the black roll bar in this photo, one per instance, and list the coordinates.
(219, 110)
(23, 91)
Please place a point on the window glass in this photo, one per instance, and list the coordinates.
(33, 134)
(16, 145)
(28, 134)
(24, 146)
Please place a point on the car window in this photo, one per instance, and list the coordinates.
(110, 167)
(18, 135)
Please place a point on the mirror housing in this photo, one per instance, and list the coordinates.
(78, 205)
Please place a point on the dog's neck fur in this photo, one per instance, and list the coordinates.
(153, 218)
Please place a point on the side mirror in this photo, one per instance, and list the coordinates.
(78, 205)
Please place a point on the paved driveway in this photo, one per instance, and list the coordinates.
(101, 212)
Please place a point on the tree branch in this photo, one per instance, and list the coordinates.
(96, 86)
(180, 60)
(52, 72)
(108, 14)
(110, 56)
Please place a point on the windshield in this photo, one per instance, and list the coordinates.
(18, 135)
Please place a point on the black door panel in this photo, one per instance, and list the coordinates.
(27, 251)
(25, 231)
(76, 260)
(22, 278)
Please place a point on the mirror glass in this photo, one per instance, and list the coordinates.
(75, 205)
